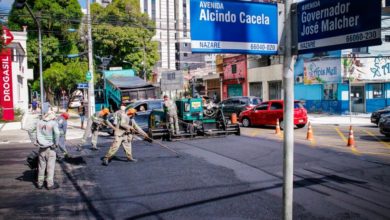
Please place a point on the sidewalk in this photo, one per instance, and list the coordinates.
(12, 132)
(357, 119)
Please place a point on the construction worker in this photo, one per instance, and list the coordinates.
(170, 110)
(47, 139)
(126, 127)
(62, 126)
(94, 124)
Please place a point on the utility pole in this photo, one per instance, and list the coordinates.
(20, 5)
(288, 140)
(143, 63)
(91, 89)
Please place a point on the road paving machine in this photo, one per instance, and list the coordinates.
(196, 119)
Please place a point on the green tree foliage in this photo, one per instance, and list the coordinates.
(122, 31)
(64, 77)
(55, 17)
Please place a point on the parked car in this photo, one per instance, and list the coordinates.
(384, 125)
(237, 104)
(268, 112)
(144, 108)
(75, 102)
(375, 116)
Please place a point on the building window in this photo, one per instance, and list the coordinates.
(185, 54)
(171, 76)
(234, 68)
(378, 90)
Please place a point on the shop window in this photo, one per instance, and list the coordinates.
(378, 90)
(330, 92)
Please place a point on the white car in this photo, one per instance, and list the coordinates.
(75, 103)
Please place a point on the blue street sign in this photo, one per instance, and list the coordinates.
(233, 27)
(82, 85)
(338, 24)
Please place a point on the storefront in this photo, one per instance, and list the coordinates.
(325, 83)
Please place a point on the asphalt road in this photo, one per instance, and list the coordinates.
(234, 177)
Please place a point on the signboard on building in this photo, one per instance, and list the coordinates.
(366, 69)
(172, 80)
(338, 24)
(234, 27)
(321, 68)
(7, 36)
(6, 97)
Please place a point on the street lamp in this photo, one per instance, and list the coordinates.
(19, 4)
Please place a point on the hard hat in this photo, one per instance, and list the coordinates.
(104, 111)
(65, 115)
(131, 111)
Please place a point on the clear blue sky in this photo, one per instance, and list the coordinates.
(83, 3)
(5, 6)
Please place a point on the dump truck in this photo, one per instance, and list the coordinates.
(122, 87)
(195, 120)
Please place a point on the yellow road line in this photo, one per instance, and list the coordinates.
(374, 136)
(341, 134)
(353, 149)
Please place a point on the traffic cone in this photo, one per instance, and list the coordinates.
(309, 135)
(351, 139)
(277, 130)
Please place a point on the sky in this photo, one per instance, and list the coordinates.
(5, 6)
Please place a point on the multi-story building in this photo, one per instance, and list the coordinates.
(173, 34)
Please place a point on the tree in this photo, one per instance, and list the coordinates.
(60, 77)
(55, 17)
(122, 31)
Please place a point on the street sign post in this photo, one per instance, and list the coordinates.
(82, 85)
(325, 25)
(234, 27)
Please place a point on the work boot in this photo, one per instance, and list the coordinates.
(132, 160)
(94, 148)
(105, 162)
(54, 186)
(39, 186)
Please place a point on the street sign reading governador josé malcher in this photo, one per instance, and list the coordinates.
(233, 27)
(338, 24)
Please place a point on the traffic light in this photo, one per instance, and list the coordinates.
(19, 4)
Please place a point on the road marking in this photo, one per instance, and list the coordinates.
(353, 149)
(380, 141)
(341, 134)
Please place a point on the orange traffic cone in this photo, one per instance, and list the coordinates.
(309, 135)
(234, 118)
(277, 129)
(351, 139)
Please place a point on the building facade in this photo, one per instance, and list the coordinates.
(16, 75)
(234, 81)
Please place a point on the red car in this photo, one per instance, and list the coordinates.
(268, 112)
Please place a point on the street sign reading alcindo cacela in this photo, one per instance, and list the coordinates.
(233, 27)
(338, 24)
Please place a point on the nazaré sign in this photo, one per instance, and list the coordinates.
(338, 24)
(234, 27)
